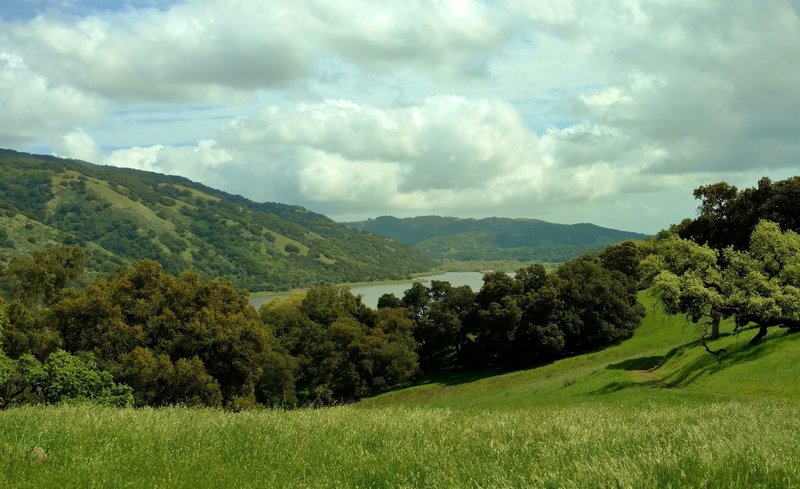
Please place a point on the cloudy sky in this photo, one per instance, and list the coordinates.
(570, 111)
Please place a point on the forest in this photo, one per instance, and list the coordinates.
(139, 335)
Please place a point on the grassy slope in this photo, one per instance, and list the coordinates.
(598, 420)
(120, 215)
(663, 351)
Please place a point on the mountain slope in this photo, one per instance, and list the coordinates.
(495, 238)
(119, 215)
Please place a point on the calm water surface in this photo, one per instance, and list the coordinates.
(371, 293)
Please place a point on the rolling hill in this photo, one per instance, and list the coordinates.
(664, 358)
(495, 238)
(119, 215)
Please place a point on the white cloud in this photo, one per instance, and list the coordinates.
(444, 143)
(136, 157)
(199, 162)
(198, 49)
(78, 145)
(518, 107)
(33, 109)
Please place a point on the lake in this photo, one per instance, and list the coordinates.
(371, 293)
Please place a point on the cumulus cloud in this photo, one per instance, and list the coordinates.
(338, 156)
(32, 108)
(78, 145)
(196, 49)
(445, 142)
(546, 108)
(199, 162)
(713, 91)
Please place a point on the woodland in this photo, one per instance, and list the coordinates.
(140, 335)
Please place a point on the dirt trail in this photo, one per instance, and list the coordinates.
(653, 378)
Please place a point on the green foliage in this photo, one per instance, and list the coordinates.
(495, 238)
(758, 285)
(176, 340)
(40, 277)
(535, 316)
(122, 215)
(62, 378)
(728, 216)
(438, 311)
(27, 331)
(344, 350)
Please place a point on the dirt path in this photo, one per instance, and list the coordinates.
(651, 377)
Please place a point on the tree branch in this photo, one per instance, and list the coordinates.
(717, 352)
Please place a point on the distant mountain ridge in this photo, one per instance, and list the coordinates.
(119, 215)
(495, 238)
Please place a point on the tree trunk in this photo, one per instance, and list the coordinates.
(715, 326)
(762, 332)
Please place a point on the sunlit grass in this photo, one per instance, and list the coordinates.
(726, 443)
(654, 411)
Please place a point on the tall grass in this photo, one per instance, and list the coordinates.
(597, 420)
(725, 443)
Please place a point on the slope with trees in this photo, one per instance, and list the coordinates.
(121, 215)
(496, 238)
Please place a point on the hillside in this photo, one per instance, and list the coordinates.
(495, 238)
(664, 359)
(119, 215)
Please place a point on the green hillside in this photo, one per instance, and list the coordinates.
(495, 238)
(664, 357)
(654, 411)
(119, 215)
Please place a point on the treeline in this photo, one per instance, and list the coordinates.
(142, 336)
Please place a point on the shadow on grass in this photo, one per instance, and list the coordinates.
(614, 387)
(641, 363)
(706, 364)
(447, 377)
(736, 354)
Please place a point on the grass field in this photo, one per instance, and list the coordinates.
(655, 411)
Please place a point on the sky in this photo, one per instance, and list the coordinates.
(608, 112)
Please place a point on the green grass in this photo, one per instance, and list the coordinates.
(724, 443)
(654, 411)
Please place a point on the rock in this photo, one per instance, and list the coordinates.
(38, 454)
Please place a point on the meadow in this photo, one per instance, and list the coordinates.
(654, 411)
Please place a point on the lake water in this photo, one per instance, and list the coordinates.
(371, 293)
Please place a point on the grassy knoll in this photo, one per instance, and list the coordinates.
(655, 411)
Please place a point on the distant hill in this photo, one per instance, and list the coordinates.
(119, 215)
(495, 238)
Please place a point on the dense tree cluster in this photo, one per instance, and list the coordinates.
(727, 216)
(143, 336)
(343, 349)
(526, 319)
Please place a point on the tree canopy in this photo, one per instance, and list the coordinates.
(758, 285)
